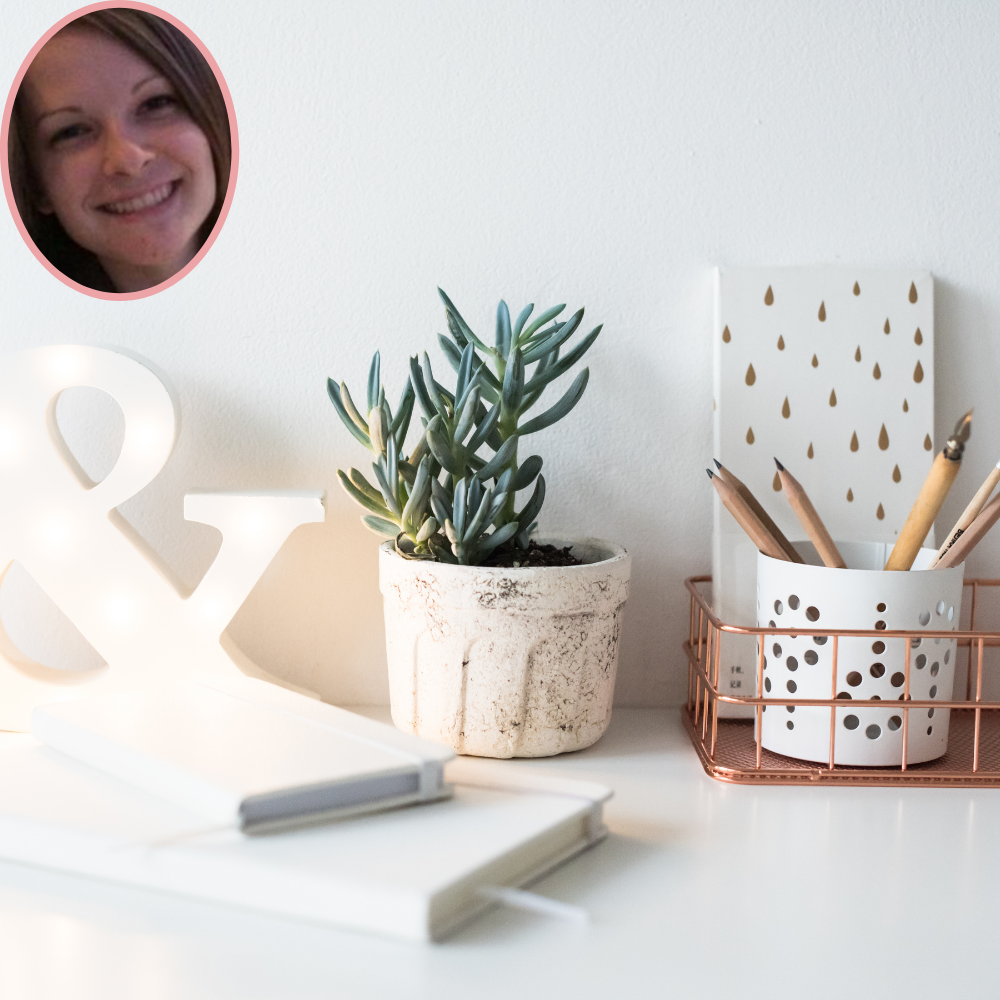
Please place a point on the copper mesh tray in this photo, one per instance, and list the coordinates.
(730, 749)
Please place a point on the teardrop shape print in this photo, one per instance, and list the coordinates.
(857, 289)
(850, 496)
(918, 373)
(857, 353)
(713, 406)
(769, 297)
(913, 292)
(896, 475)
(776, 483)
(886, 327)
(749, 435)
(815, 362)
(751, 376)
(928, 444)
(810, 453)
(906, 406)
(876, 371)
(883, 438)
(726, 335)
(786, 411)
(880, 513)
(781, 343)
(833, 397)
(918, 337)
(854, 441)
(822, 312)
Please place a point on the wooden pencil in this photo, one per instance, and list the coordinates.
(762, 515)
(809, 519)
(976, 504)
(931, 497)
(970, 538)
(746, 518)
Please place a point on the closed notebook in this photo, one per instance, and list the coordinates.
(243, 752)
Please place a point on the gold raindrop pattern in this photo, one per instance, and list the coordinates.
(726, 335)
(749, 435)
(833, 397)
(751, 376)
(810, 453)
(786, 410)
(880, 513)
(876, 371)
(886, 327)
(906, 406)
(850, 495)
(883, 438)
(928, 443)
(854, 441)
(781, 343)
(896, 475)
(918, 373)
(913, 292)
(769, 297)
(918, 337)
(822, 312)
(857, 288)
(857, 353)
(815, 362)
(776, 483)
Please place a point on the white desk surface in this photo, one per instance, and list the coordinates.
(702, 889)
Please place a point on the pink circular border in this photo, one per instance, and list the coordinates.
(5, 166)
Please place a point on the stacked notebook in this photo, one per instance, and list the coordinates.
(161, 789)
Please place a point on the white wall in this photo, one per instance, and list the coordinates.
(603, 154)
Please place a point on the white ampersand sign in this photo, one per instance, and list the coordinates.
(65, 531)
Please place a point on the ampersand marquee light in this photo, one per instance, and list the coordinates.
(63, 530)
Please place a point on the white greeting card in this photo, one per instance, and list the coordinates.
(831, 370)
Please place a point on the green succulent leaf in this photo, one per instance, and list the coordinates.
(464, 327)
(541, 320)
(441, 549)
(366, 487)
(388, 493)
(380, 525)
(374, 382)
(450, 351)
(442, 452)
(526, 474)
(494, 466)
(369, 503)
(503, 336)
(437, 393)
(534, 505)
(465, 371)
(557, 412)
(501, 535)
(513, 382)
(550, 343)
(333, 391)
(544, 375)
(420, 388)
(352, 410)
(522, 318)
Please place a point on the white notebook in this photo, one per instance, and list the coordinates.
(246, 753)
(413, 873)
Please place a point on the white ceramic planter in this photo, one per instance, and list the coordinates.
(505, 662)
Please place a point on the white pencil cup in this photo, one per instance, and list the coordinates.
(812, 596)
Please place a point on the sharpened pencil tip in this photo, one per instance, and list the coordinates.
(781, 468)
(718, 464)
(710, 473)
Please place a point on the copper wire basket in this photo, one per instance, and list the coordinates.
(730, 749)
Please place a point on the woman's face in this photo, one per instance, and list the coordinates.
(119, 160)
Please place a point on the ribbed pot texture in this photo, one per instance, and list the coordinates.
(505, 662)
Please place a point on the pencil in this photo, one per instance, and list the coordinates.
(762, 515)
(809, 519)
(746, 518)
(971, 537)
(931, 497)
(970, 513)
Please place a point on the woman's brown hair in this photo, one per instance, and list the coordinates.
(170, 52)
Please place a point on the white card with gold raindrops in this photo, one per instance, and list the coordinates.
(831, 370)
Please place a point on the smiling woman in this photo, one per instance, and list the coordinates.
(119, 151)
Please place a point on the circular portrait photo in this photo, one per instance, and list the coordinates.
(120, 151)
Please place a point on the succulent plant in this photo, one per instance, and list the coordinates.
(450, 518)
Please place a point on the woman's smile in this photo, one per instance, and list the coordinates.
(122, 165)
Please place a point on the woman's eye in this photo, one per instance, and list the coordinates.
(67, 133)
(159, 102)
